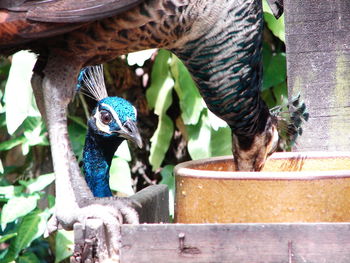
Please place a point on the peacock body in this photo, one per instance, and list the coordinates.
(219, 40)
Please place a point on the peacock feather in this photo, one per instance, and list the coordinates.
(290, 118)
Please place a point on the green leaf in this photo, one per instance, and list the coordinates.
(191, 103)
(215, 122)
(10, 191)
(64, 245)
(17, 207)
(160, 141)
(34, 134)
(159, 97)
(28, 257)
(2, 120)
(280, 92)
(275, 25)
(1, 167)
(51, 201)
(78, 120)
(164, 100)
(161, 83)
(167, 176)
(221, 142)
(168, 179)
(266, 55)
(199, 139)
(267, 96)
(31, 123)
(38, 183)
(123, 151)
(7, 145)
(140, 57)
(266, 7)
(276, 72)
(5, 66)
(19, 107)
(35, 131)
(204, 141)
(120, 177)
(30, 228)
(7, 237)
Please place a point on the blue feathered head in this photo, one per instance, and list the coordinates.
(113, 116)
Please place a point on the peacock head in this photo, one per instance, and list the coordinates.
(251, 152)
(282, 128)
(115, 117)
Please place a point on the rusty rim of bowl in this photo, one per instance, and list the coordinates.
(184, 170)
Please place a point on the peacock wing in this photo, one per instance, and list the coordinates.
(23, 21)
(73, 11)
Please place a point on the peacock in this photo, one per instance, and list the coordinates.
(220, 41)
(112, 120)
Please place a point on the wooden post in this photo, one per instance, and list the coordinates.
(154, 201)
(91, 240)
(318, 65)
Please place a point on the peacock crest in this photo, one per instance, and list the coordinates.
(91, 82)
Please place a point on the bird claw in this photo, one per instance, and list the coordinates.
(113, 212)
(124, 206)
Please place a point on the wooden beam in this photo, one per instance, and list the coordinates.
(154, 204)
(318, 65)
(173, 243)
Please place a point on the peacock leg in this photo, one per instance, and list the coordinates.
(74, 200)
(38, 93)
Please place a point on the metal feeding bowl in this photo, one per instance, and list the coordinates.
(292, 187)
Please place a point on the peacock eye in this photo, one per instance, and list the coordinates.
(106, 117)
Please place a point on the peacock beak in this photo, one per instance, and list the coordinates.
(130, 132)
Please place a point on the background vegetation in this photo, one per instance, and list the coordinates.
(173, 118)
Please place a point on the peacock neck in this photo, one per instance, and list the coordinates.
(97, 157)
(226, 64)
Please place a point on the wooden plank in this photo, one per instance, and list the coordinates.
(318, 65)
(154, 204)
(170, 243)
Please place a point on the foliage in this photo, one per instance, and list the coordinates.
(159, 98)
(171, 96)
(23, 220)
(274, 60)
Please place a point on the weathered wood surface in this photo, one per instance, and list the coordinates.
(154, 204)
(91, 242)
(318, 64)
(88, 240)
(241, 243)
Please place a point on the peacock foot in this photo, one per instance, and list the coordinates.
(110, 213)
